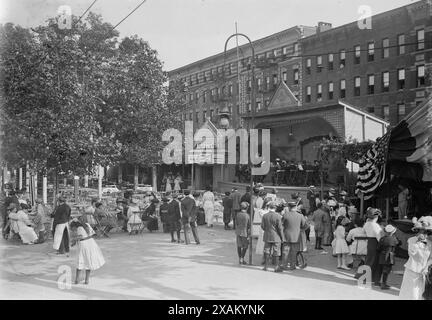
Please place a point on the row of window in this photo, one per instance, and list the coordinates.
(209, 75)
(385, 52)
(270, 83)
(385, 112)
(371, 85)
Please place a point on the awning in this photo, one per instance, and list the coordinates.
(405, 151)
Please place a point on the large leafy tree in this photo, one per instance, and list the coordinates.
(76, 98)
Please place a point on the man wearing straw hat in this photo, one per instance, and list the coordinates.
(61, 226)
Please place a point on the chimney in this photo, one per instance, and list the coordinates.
(323, 26)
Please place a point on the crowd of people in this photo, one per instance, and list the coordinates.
(282, 227)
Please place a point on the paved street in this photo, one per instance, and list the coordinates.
(149, 266)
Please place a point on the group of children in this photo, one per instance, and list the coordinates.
(358, 247)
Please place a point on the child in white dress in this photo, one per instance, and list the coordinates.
(89, 254)
(340, 246)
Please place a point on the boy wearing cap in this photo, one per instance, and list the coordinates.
(242, 231)
(386, 251)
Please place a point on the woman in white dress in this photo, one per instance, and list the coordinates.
(168, 184)
(89, 254)
(419, 251)
(177, 182)
(258, 217)
(133, 217)
(340, 246)
(208, 205)
(21, 224)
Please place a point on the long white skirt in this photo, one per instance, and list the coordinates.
(209, 214)
(89, 255)
(413, 286)
(27, 234)
(260, 243)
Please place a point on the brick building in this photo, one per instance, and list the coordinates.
(209, 88)
(382, 70)
(315, 82)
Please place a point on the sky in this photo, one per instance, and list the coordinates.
(184, 31)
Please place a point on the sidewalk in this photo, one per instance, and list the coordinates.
(149, 266)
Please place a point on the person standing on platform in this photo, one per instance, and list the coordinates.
(273, 235)
(61, 217)
(235, 196)
(174, 218)
(374, 233)
(188, 207)
(208, 204)
(242, 231)
(403, 197)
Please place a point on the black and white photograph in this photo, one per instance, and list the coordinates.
(230, 151)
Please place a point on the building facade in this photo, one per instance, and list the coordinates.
(209, 88)
(304, 75)
(383, 70)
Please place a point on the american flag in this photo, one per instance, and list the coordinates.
(372, 167)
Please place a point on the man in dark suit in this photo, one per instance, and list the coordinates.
(273, 235)
(293, 222)
(174, 217)
(61, 217)
(188, 207)
(235, 196)
(247, 197)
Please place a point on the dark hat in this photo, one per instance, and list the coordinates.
(165, 199)
(63, 199)
(174, 195)
(154, 200)
(196, 194)
(186, 192)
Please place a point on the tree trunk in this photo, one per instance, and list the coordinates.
(76, 187)
(27, 180)
(20, 178)
(45, 189)
(154, 177)
(120, 174)
(136, 173)
(56, 189)
(86, 181)
(100, 176)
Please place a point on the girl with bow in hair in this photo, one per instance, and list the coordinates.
(89, 254)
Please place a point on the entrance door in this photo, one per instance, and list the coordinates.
(207, 177)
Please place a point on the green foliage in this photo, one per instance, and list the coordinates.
(73, 99)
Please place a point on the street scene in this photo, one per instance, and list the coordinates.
(161, 150)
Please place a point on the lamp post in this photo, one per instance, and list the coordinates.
(224, 121)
